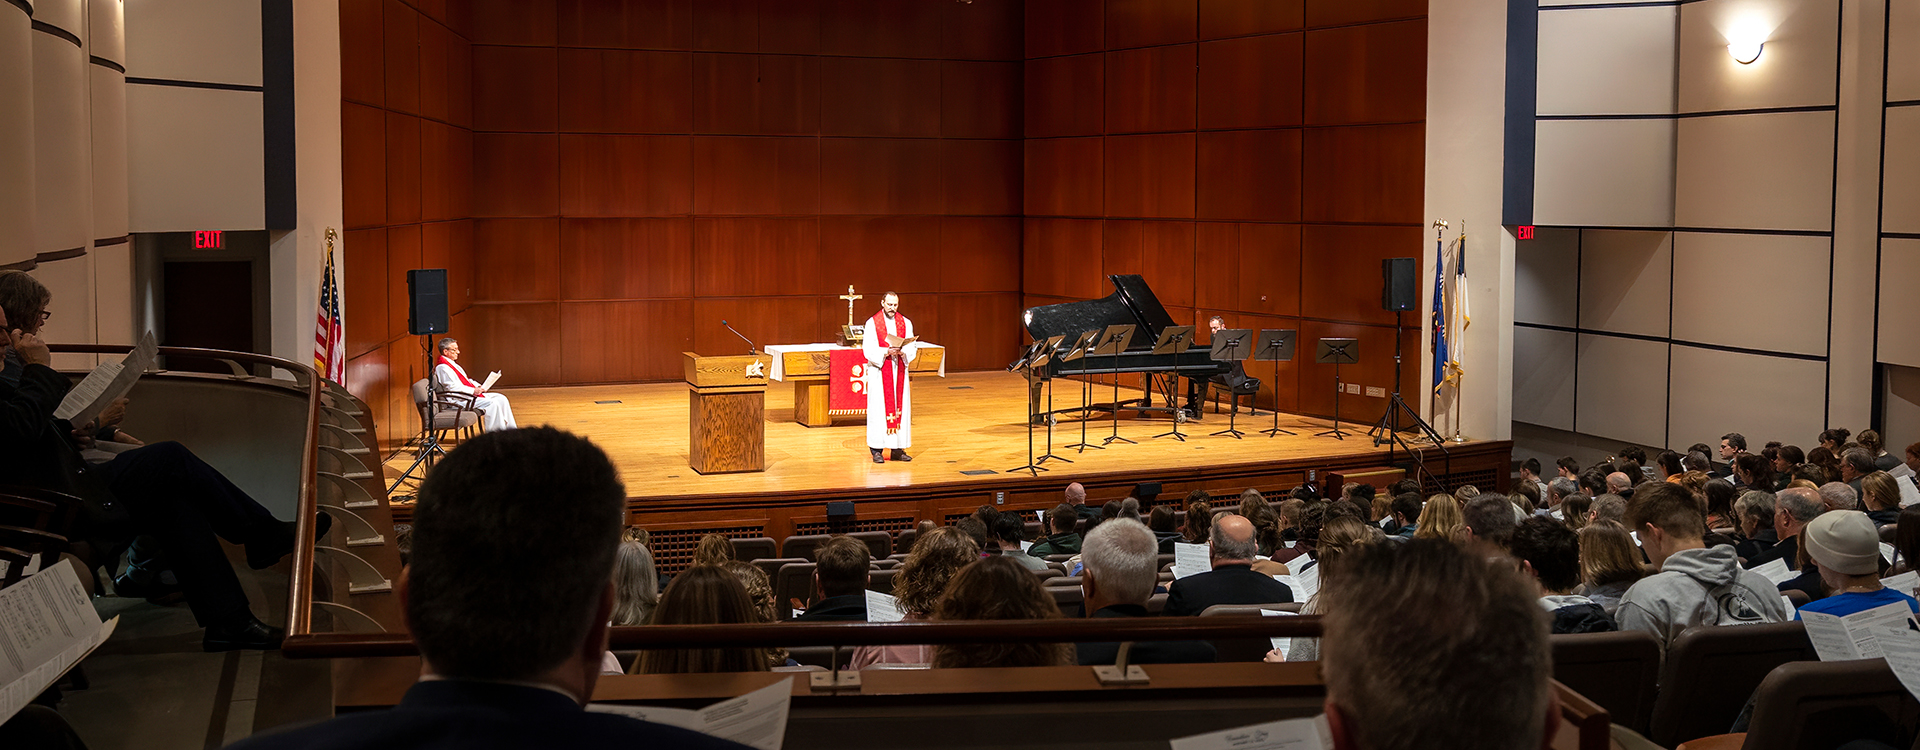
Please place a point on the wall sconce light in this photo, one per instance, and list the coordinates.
(1745, 51)
(1746, 39)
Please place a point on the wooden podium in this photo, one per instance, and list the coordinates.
(726, 412)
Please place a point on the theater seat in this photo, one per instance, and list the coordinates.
(1069, 600)
(1618, 671)
(882, 580)
(879, 543)
(771, 565)
(1825, 704)
(819, 656)
(1711, 671)
(793, 581)
(802, 545)
(1244, 649)
(903, 541)
(754, 548)
(1156, 604)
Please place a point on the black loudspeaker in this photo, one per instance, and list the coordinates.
(1397, 290)
(426, 301)
(839, 510)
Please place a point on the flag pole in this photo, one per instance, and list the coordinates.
(1460, 376)
(1437, 326)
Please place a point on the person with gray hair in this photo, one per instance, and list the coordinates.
(1489, 519)
(1609, 507)
(1854, 464)
(1233, 579)
(1121, 561)
(1753, 513)
(1558, 491)
(1793, 509)
(1840, 496)
(448, 377)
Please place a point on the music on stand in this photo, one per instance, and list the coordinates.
(1336, 352)
(1230, 345)
(1173, 341)
(1275, 345)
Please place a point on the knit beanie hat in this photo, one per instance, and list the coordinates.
(1844, 540)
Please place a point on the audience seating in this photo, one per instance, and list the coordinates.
(1068, 599)
(882, 580)
(1156, 604)
(1798, 597)
(880, 543)
(820, 656)
(1711, 671)
(1244, 649)
(1034, 530)
(771, 565)
(754, 548)
(1049, 573)
(1618, 671)
(793, 581)
(447, 413)
(1062, 582)
(802, 545)
(1824, 704)
(903, 541)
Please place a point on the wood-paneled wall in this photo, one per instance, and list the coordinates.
(643, 169)
(407, 168)
(1253, 159)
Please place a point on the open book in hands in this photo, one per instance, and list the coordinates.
(895, 342)
(492, 378)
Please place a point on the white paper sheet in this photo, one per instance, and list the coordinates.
(1305, 583)
(1909, 494)
(1279, 643)
(1904, 583)
(1855, 636)
(1025, 547)
(1191, 559)
(1886, 552)
(1776, 570)
(47, 625)
(493, 377)
(109, 381)
(1901, 647)
(883, 607)
(1291, 734)
(757, 719)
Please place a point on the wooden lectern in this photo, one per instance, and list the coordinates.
(726, 412)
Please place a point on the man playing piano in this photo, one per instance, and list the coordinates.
(889, 402)
(1235, 378)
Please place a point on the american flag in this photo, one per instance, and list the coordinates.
(329, 336)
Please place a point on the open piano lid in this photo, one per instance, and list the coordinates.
(1132, 302)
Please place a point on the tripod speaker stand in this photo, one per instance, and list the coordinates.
(1336, 352)
(1387, 430)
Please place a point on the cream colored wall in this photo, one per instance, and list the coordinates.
(298, 255)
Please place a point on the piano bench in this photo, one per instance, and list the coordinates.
(1233, 398)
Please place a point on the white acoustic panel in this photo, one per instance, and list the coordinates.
(62, 175)
(1543, 377)
(1796, 67)
(71, 281)
(196, 160)
(1546, 277)
(1901, 180)
(1899, 304)
(17, 204)
(1607, 61)
(1761, 292)
(210, 41)
(1901, 418)
(1756, 171)
(109, 142)
(65, 15)
(1623, 389)
(113, 293)
(1903, 51)
(107, 30)
(1764, 398)
(1624, 283)
(1603, 173)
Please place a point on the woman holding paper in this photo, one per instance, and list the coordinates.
(448, 377)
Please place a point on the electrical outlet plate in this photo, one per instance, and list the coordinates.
(1353, 388)
(1376, 392)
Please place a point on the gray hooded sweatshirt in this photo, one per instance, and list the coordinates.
(1699, 587)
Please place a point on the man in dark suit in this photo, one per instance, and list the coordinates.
(1232, 580)
(510, 644)
(1121, 569)
(840, 582)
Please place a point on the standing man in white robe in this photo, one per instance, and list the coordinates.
(448, 377)
(889, 396)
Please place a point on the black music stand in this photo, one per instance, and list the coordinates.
(1336, 352)
(1230, 345)
(1276, 346)
(1035, 357)
(1174, 340)
(1082, 346)
(1111, 342)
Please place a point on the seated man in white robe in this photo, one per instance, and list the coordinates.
(448, 377)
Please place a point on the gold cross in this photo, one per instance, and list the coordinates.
(850, 297)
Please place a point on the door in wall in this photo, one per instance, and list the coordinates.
(209, 305)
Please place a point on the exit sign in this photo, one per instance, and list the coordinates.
(209, 240)
(1523, 232)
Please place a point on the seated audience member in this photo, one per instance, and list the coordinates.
(998, 588)
(1232, 580)
(1289, 511)
(510, 644)
(1567, 468)
(1199, 522)
(1266, 523)
(1381, 514)
(1466, 492)
(1120, 574)
(1406, 514)
(924, 526)
(760, 595)
(987, 515)
(1608, 508)
(1754, 472)
(1620, 484)
(1472, 672)
(1874, 446)
(980, 535)
(1880, 494)
(1165, 529)
(1551, 553)
(1696, 585)
(1906, 540)
(1592, 482)
(1530, 474)
(1488, 519)
(840, 581)
(1576, 511)
(1312, 516)
(712, 549)
(704, 595)
(1784, 461)
(1824, 463)
(1557, 493)
(922, 579)
(162, 490)
(1609, 564)
(1530, 493)
(1439, 518)
(1667, 464)
(1076, 496)
(1130, 510)
(1845, 548)
(1854, 464)
(1340, 537)
(1063, 540)
(636, 585)
(1912, 460)
(1754, 513)
(1834, 437)
(1793, 509)
(1839, 496)
(1007, 531)
(1720, 495)
(1696, 461)
(1109, 510)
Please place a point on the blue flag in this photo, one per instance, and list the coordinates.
(1439, 315)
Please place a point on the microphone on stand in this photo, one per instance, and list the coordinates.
(750, 347)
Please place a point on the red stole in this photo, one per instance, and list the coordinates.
(459, 373)
(892, 386)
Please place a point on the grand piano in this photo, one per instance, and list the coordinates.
(1132, 302)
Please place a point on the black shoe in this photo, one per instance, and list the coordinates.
(249, 633)
(900, 455)
(877, 457)
(141, 584)
(264, 553)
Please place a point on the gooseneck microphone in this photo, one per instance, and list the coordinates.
(750, 347)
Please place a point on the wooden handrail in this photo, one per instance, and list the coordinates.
(300, 583)
(343, 645)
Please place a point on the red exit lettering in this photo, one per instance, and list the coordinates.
(1523, 233)
(208, 240)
